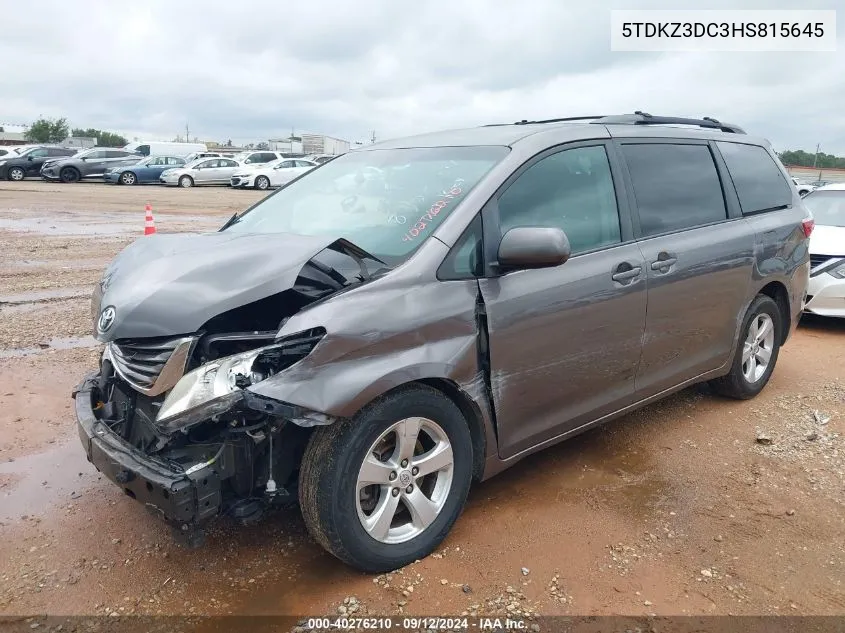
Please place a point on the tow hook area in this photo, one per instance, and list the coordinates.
(189, 535)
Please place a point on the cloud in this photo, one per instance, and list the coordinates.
(255, 69)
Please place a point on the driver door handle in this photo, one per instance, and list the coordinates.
(626, 275)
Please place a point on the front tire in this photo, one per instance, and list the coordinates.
(128, 178)
(186, 181)
(69, 174)
(16, 174)
(262, 182)
(382, 489)
(757, 352)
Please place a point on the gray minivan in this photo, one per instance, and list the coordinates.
(425, 312)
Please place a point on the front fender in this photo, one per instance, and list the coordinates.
(379, 336)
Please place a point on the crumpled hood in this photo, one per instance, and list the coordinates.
(163, 285)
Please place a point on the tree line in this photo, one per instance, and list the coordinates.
(800, 158)
(57, 130)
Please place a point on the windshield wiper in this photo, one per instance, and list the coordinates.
(233, 220)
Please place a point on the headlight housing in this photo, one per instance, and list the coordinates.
(215, 387)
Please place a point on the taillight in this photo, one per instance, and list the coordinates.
(807, 226)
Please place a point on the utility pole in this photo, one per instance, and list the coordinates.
(816, 157)
(373, 137)
(187, 133)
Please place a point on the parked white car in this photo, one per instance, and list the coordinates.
(258, 158)
(203, 171)
(275, 174)
(826, 291)
(802, 187)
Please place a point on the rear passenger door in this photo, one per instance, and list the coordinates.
(226, 169)
(564, 342)
(95, 163)
(698, 258)
(35, 159)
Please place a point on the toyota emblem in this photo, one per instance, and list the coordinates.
(106, 319)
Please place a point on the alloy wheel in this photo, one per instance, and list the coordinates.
(404, 480)
(758, 346)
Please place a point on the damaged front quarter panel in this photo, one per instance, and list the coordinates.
(392, 331)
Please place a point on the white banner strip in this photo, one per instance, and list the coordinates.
(723, 30)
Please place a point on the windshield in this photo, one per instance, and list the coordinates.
(827, 207)
(385, 201)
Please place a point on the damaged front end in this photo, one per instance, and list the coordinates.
(172, 419)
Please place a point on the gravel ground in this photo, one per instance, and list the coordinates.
(695, 505)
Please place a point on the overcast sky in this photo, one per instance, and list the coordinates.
(250, 70)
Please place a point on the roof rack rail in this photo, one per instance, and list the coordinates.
(644, 118)
(559, 120)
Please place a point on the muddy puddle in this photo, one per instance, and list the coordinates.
(58, 343)
(82, 226)
(105, 224)
(46, 294)
(60, 264)
(35, 483)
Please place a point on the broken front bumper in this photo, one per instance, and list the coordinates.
(181, 499)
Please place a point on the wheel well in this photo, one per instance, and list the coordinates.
(777, 291)
(471, 414)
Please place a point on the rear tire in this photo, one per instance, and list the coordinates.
(186, 181)
(128, 178)
(16, 174)
(756, 353)
(262, 182)
(69, 174)
(341, 510)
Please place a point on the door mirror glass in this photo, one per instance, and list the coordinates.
(533, 247)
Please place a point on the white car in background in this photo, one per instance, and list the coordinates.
(802, 187)
(203, 171)
(826, 291)
(273, 174)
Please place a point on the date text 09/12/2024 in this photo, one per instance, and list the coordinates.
(417, 623)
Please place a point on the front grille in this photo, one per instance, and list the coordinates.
(818, 260)
(151, 365)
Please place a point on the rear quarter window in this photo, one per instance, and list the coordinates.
(759, 183)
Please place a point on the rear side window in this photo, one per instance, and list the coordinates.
(759, 183)
(144, 150)
(676, 186)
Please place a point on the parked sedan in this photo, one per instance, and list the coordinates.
(204, 171)
(275, 174)
(16, 167)
(144, 171)
(826, 292)
(87, 164)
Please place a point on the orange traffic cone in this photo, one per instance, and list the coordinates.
(149, 223)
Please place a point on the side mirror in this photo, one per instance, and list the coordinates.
(533, 247)
(29, 158)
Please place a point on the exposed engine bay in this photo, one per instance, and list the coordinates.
(249, 445)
